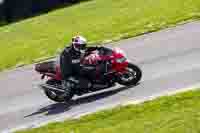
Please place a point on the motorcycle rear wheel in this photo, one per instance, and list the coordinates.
(58, 96)
(132, 77)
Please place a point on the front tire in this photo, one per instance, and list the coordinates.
(132, 77)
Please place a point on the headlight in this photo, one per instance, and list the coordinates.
(121, 60)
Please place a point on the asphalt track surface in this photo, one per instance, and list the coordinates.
(170, 60)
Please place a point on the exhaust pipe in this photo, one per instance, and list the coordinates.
(50, 87)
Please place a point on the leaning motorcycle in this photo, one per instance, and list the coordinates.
(120, 70)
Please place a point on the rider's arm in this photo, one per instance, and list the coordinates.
(89, 49)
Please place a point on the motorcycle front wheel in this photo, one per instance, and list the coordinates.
(131, 77)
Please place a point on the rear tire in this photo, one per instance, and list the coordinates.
(135, 71)
(50, 95)
(58, 96)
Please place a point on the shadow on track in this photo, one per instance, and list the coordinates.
(57, 108)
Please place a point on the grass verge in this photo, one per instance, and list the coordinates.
(169, 114)
(44, 36)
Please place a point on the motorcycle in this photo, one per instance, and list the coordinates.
(119, 70)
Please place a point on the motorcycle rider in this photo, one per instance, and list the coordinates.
(70, 61)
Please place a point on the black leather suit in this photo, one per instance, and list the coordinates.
(70, 63)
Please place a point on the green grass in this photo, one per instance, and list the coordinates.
(170, 114)
(98, 20)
